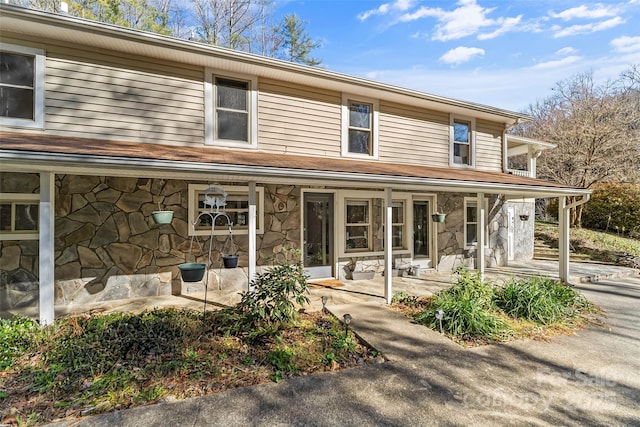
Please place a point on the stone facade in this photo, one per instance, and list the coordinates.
(107, 245)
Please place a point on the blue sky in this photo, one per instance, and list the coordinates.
(502, 53)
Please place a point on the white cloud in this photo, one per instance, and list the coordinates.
(507, 25)
(597, 11)
(587, 28)
(626, 44)
(461, 54)
(385, 8)
(565, 51)
(557, 63)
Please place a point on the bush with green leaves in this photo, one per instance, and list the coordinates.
(541, 300)
(274, 295)
(468, 309)
(614, 207)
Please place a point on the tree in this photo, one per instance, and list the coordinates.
(596, 128)
(226, 23)
(296, 43)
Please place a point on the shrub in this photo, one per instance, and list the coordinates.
(272, 300)
(467, 308)
(614, 207)
(541, 300)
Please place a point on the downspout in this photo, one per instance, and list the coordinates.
(507, 128)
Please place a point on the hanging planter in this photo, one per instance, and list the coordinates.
(230, 261)
(162, 217)
(192, 271)
(524, 217)
(438, 217)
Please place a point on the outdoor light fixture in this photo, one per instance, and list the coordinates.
(324, 304)
(440, 316)
(347, 319)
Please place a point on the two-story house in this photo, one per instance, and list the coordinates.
(101, 126)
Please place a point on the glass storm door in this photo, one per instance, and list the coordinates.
(318, 235)
(421, 229)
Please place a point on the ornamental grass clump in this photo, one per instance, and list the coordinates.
(468, 310)
(541, 300)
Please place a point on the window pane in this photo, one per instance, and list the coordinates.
(357, 237)
(232, 94)
(357, 212)
(233, 125)
(16, 102)
(359, 115)
(5, 217)
(461, 132)
(16, 69)
(397, 232)
(26, 217)
(471, 234)
(461, 154)
(359, 141)
(472, 213)
(397, 215)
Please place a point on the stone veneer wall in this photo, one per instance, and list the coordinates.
(108, 247)
(451, 248)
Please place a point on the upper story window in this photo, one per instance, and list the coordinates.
(231, 108)
(19, 216)
(21, 86)
(462, 141)
(359, 127)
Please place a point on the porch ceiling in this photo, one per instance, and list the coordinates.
(38, 152)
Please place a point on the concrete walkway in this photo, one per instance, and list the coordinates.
(592, 378)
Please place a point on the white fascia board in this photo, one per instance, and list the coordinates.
(14, 160)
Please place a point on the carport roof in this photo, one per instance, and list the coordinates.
(39, 152)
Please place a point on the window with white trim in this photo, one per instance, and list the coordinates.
(398, 225)
(471, 223)
(231, 110)
(237, 209)
(462, 141)
(359, 127)
(21, 86)
(19, 216)
(358, 225)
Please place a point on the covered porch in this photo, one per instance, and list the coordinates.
(52, 158)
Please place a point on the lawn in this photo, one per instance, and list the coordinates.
(600, 246)
(92, 364)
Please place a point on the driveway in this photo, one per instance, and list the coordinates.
(591, 378)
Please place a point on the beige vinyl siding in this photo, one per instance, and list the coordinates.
(489, 146)
(413, 136)
(295, 119)
(100, 94)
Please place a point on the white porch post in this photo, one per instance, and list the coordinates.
(251, 273)
(46, 255)
(480, 237)
(563, 244)
(388, 244)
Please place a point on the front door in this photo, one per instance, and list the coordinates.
(318, 235)
(421, 229)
